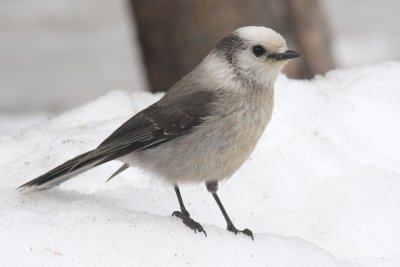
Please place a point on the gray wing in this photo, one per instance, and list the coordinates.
(159, 123)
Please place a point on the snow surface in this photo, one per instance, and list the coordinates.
(14, 122)
(321, 189)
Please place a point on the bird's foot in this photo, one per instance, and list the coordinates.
(189, 222)
(232, 228)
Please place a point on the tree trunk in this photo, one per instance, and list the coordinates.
(176, 34)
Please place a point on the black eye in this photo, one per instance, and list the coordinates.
(258, 50)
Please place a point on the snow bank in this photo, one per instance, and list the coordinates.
(321, 189)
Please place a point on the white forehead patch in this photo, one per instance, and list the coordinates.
(262, 35)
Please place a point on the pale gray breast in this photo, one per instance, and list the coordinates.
(244, 128)
(216, 148)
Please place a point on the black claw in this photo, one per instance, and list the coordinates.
(189, 222)
(248, 232)
(232, 228)
(177, 214)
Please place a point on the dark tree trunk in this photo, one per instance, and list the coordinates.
(176, 34)
(311, 36)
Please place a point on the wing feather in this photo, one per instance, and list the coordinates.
(155, 125)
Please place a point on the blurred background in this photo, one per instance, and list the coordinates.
(58, 54)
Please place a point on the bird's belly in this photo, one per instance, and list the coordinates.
(213, 151)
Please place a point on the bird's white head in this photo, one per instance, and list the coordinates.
(254, 54)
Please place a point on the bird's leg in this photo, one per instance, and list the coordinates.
(184, 214)
(212, 187)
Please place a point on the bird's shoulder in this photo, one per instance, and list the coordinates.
(165, 119)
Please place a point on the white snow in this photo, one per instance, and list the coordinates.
(13, 122)
(321, 189)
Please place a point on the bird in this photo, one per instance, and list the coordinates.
(203, 129)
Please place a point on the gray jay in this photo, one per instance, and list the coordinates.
(204, 128)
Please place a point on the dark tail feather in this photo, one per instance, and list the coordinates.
(121, 169)
(64, 172)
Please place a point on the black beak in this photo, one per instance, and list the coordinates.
(288, 54)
